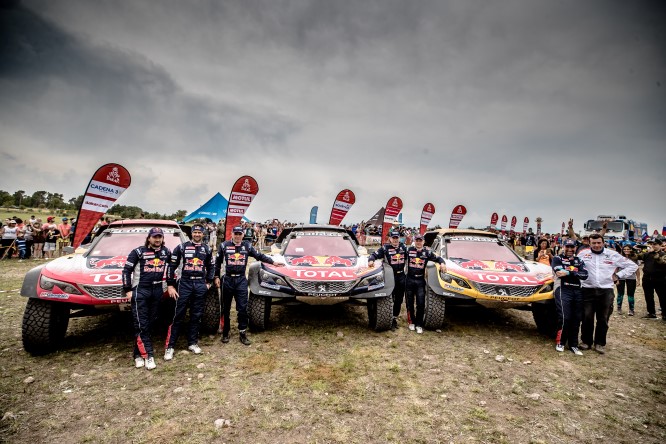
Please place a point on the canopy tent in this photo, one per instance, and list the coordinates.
(215, 209)
(377, 219)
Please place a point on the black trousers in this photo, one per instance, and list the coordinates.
(234, 287)
(191, 293)
(597, 305)
(415, 290)
(569, 304)
(145, 309)
(652, 284)
(398, 293)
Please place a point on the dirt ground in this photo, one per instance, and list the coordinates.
(319, 375)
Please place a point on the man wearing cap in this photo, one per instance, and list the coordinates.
(417, 260)
(234, 254)
(654, 277)
(143, 276)
(394, 253)
(196, 277)
(65, 228)
(569, 272)
(9, 233)
(604, 268)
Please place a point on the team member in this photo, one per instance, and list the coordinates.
(196, 277)
(234, 254)
(654, 278)
(148, 264)
(569, 271)
(598, 293)
(394, 253)
(418, 257)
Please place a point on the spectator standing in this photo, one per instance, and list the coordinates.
(604, 267)
(64, 228)
(543, 253)
(654, 277)
(630, 282)
(9, 233)
(21, 246)
(38, 240)
(51, 236)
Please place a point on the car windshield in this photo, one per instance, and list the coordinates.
(120, 244)
(319, 244)
(486, 250)
(612, 226)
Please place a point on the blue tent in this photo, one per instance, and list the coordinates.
(215, 209)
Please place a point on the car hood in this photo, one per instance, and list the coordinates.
(322, 268)
(514, 273)
(86, 270)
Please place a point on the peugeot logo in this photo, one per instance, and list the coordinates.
(502, 292)
(322, 287)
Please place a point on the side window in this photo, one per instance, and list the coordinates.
(435, 246)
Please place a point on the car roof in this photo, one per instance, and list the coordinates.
(315, 227)
(144, 223)
(430, 236)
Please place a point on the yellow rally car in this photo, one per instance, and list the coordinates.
(481, 269)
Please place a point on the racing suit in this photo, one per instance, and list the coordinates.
(395, 256)
(654, 280)
(598, 292)
(234, 284)
(415, 283)
(143, 275)
(568, 298)
(197, 271)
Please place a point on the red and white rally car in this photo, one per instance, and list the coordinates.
(88, 282)
(324, 266)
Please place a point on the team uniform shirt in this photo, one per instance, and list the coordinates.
(395, 256)
(418, 259)
(145, 267)
(601, 267)
(198, 262)
(235, 258)
(576, 268)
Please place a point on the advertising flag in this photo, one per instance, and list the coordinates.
(105, 187)
(504, 221)
(313, 214)
(493, 221)
(514, 221)
(562, 232)
(663, 230)
(426, 216)
(538, 221)
(343, 202)
(393, 208)
(526, 221)
(242, 194)
(645, 236)
(457, 216)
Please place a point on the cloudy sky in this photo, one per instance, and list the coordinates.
(529, 108)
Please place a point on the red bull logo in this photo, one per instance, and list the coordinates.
(112, 262)
(304, 260)
(506, 266)
(337, 260)
(474, 264)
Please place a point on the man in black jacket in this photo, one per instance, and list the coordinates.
(394, 253)
(654, 278)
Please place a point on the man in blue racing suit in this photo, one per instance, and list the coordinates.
(394, 253)
(195, 279)
(143, 276)
(417, 259)
(234, 254)
(569, 271)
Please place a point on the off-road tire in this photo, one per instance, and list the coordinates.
(545, 318)
(380, 313)
(435, 308)
(259, 312)
(210, 321)
(44, 326)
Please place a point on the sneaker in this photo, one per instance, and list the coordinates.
(394, 324)
(600, 349)
(412, 327)
(194, 348)
(619, 310)
(559, 347)
(650, 316)
(139, 362)
(419, 330)
(584, 346)
(243, 338)
(168, 354)
(631, 312)
(225, 338)
(150, 363)
(576, 352)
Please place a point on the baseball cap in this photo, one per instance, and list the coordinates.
(238, 229)
(64, 219)
(11, 221)
(394, 233)
(569, 243)
(197, 228)
(418, 237)
(49, 219)
(155, 231)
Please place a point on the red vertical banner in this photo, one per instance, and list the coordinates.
(514, 221)
(562, 232)
(341, 206)
(393, 208)
(242, 194)
(526, 222)
(426, 216)
(105, 187)
(504, 221)
(538, 221)
(493, 221)
(457, 215)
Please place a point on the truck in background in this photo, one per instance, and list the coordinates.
(619, 227)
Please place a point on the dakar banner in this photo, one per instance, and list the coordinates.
(343, 202)
(313, 214)
(514, 221)
(393, 208)
(503, 225)
(493, 221)
(457, 216)
(426, 216)
(526, 221)
(242, 193)
(105, 187)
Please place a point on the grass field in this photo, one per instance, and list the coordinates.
(319, 375)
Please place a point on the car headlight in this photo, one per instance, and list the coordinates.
(271, 278)
(460, 282)
(48, 284)
(374, 280)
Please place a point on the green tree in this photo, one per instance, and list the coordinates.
(18, 197)
(38, 199)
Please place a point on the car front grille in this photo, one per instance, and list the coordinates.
(322, 287)
(105, 291)
(507, 290)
